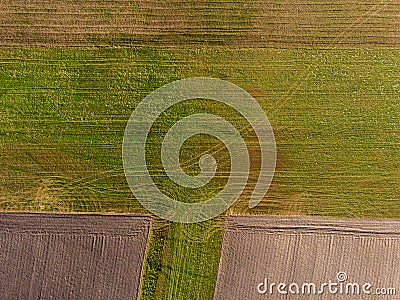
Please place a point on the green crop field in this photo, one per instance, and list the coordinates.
(326, 73)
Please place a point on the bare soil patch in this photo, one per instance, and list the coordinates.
(69, 256)
(307, 250)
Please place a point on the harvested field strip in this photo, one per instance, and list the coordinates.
(60, 256)
(307, 250)
(206, 23)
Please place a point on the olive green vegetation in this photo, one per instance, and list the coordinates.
(190, 261)
(63, 117)
(335, 114)
(154, 259)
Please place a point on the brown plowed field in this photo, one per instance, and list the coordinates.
(62, 256)
(308, 250)
(311, 23)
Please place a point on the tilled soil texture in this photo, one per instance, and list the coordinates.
(65, 256)
(260, 251)
(311, 23)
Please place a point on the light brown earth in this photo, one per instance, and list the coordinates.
(307, 250)
(70, 256)
(177, 23)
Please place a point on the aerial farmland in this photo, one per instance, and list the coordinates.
(326, 74)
